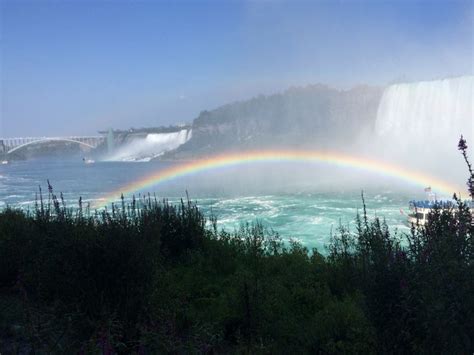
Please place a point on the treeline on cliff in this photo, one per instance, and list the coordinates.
(150, 277)
(315, 116)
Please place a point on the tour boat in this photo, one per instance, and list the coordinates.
(4, 162)
(419, 210)
(88, 161)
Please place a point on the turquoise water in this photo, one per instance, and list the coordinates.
(305, 208)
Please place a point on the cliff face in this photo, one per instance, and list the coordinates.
(315, 116)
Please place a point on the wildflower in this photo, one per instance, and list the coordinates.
(462, 146)
(50, 188)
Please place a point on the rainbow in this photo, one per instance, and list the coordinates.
(251, 157)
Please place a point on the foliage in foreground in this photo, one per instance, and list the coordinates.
(154, 278)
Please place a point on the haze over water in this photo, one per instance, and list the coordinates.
(306, 214)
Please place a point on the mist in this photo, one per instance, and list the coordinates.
(412, 125)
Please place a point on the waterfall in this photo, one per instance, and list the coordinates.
(419, 124)
(151, 146)
(429, 110)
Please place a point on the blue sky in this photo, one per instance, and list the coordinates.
(74, 67)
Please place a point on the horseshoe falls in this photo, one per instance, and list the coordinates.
(419, 124)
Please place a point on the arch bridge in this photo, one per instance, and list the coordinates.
(10, 145)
